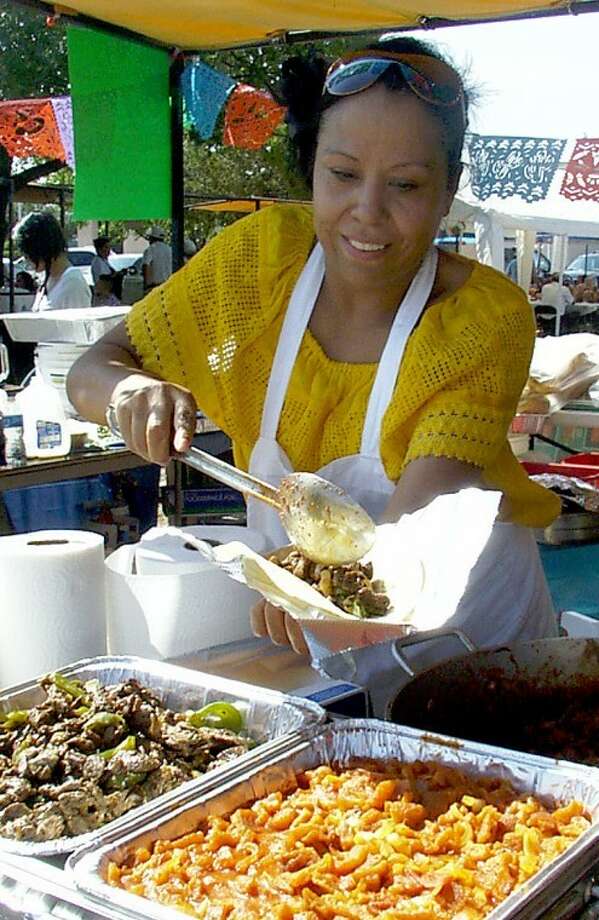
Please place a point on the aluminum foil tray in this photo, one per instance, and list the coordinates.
(343, 743)
(271, 717)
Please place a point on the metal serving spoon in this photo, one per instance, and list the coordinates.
(322, 520)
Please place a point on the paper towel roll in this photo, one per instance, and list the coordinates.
(52, 601)
(167, 615)
(163, 551)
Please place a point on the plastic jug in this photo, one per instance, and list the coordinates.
(45, 426)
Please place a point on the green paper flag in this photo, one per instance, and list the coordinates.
(121, 117)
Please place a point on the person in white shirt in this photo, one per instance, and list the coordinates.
(157, 262)
(41, 240)
(554, 294)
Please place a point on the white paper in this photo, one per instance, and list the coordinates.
(168, 551)
(425, 560)
(166, 615)
(52, 601)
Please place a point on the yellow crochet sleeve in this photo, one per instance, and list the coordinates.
(213, 326)
(474, 360)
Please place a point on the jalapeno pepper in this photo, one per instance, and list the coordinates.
(72, 687)
(13, 719)
(126, 780)
(127, 744)
(103, 720)
(217, 715)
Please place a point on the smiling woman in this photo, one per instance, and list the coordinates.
(337, 339)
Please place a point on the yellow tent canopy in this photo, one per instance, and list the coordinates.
(240, 205)
(203, 24)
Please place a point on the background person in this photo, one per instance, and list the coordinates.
(41, 240)
(101, 266)
(26, 282)
(104, 294)
(555, 294)
(157, 262)
(337, 339)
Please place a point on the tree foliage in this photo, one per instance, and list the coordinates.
(33, 63)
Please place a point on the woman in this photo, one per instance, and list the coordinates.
(337, 339)
(41, 240)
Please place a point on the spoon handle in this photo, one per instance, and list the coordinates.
(230, 475)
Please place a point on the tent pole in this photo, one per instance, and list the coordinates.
(177, 179)
(11, 247)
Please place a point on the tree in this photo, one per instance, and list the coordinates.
(33, 63)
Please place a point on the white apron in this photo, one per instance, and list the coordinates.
(507, 596)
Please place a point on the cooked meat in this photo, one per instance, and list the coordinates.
(88, 754)
(349, 586)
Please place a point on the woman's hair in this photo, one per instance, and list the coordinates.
(40, 237)
(301, 90)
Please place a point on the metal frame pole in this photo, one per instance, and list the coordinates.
(177, 177)
(11, 248)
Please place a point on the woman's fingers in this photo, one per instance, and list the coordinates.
(184, 420)
(257, 621)
(278, 625)
(158, 434)
(295, 635)
(155, 418)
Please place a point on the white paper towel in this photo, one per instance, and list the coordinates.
(166, 615)
(164, 550)
(52, 601)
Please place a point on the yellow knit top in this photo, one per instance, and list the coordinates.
(214, 327)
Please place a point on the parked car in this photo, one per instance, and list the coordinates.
(18, 265)
(582, 265)
(81, 257)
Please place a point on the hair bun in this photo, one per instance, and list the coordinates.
(302, 82)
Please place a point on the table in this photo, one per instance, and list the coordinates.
(75, 465)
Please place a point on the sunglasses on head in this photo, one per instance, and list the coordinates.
(430, 79)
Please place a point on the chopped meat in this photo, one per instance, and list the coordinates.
(349, 586)
(88, 754)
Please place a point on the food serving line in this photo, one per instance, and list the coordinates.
(67, 878)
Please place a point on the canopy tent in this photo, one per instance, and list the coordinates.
(202, 24)
(495, 217)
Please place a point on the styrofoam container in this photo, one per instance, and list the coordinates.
(80, 327)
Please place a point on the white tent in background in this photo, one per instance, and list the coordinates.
(496, 217)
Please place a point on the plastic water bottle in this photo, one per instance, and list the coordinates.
(12, 425)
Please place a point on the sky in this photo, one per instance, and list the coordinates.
(537, 78)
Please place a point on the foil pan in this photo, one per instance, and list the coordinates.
(343, 743)
(270, 718)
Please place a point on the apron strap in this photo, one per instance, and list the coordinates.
(406, 318)
(297, 317)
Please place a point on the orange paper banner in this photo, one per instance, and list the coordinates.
(251, 117)
(28, 128)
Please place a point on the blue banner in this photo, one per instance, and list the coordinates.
(205, 92)
(507, 166)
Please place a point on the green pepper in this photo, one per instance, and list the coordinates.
(72, 687)
(103, 720)
(126, 780)
(217, 715)
(82, 711)
(13, 719)
(127, 744)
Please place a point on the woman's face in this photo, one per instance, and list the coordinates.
(380, 186)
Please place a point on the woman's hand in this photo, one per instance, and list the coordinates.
(154, 417)
(278, 625)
